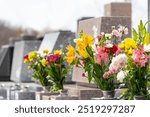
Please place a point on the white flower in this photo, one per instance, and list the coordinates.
(121, 75)
(118, 62)
(109, 45)
(147, 48)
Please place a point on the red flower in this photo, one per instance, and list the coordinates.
(83, 74)
(25, 56)
(112, 49)
(99, 36)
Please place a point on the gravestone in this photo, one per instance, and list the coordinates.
(19, 72)
(58, 40)
(118, 9)
(102, 24)
(6, 53)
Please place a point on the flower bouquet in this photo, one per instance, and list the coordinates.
(134, 68)
(56, 69)
(94, 56)
(36, 62)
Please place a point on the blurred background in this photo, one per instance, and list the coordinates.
(42, 16)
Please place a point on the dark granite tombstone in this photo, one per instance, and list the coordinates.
(19, 72)
(6, 53)
(58, 40)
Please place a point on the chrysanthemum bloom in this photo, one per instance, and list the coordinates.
(32, 55)
(128, 45)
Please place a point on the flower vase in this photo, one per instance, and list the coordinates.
(138, 97)
(63, 92)
(108, 94)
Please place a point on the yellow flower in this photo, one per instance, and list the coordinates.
(26, 60)
(70, 48)
(45, 51)
(87, 39)
(79, 43)
(58, 52)
(69, 59)
(128, 45)
(43, 62)
(70, 55)
(147, 39)
(83, 53)
(32, 54)
(121, 45)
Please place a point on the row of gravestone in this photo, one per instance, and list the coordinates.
(54, 40)
(11, 56)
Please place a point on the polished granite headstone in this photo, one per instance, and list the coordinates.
(102, 24)
(6, 53)
(58, 40)
(19, 72)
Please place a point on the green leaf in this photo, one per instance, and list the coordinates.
(134, 34)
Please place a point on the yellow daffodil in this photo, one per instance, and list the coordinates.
(58, 52)
(45, 51)
(43, 62)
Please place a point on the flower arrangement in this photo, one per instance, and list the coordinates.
(36, 62)
(56, 69)
(133, 65)
(94, 55)
(48, 68)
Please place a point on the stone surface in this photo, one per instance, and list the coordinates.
(102, 24)
(41, 95)
(118, 9)
(6, 53)
(3, 93)
(19, 95)
(58, 40)
(19, 72)
(82, 92)
(54, 97)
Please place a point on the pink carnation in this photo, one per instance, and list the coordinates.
(101, 55)
(139, 57)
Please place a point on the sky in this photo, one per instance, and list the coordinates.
(60, 14)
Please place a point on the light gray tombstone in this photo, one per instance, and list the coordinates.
(6, 53)
(25, 94)
(19, 72)
(102, 24)
(58, 40)
(3, 92)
